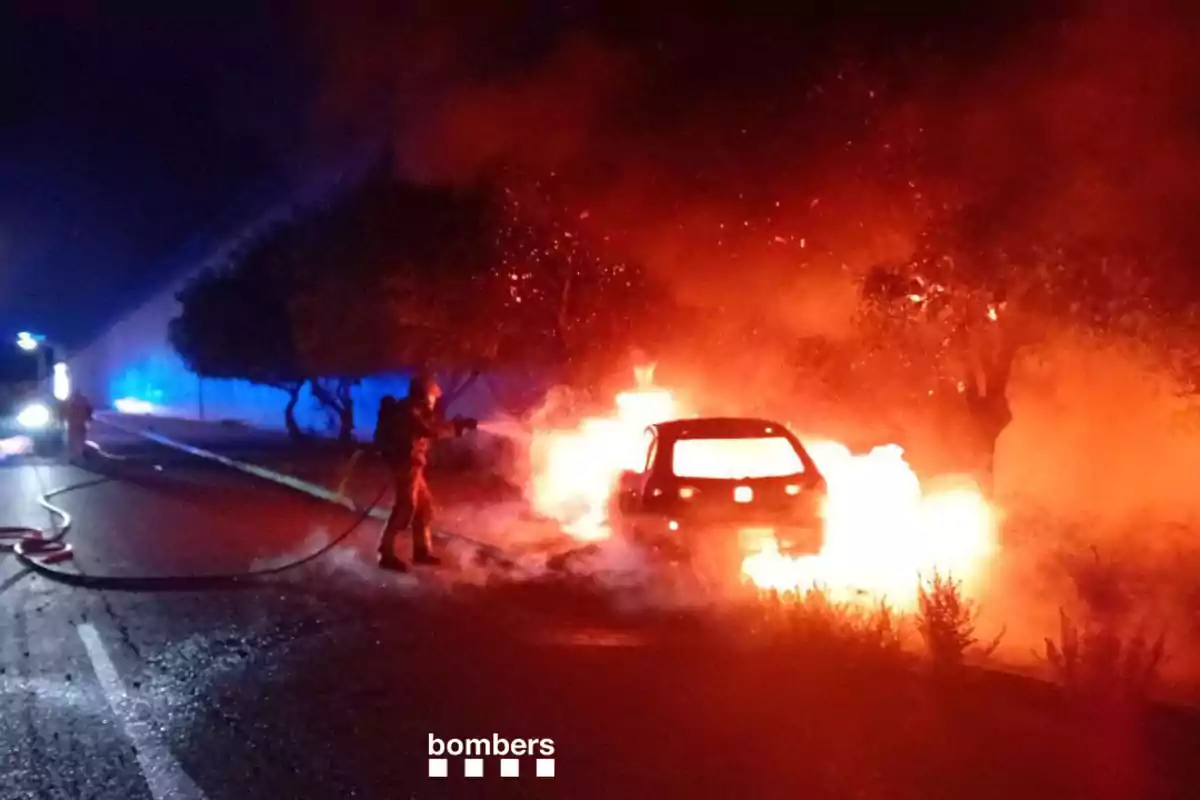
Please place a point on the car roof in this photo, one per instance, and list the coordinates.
(719, 428)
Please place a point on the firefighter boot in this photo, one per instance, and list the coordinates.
(421, 550)
(387, 545)
(389, 562)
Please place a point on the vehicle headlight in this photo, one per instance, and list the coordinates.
(34, 416)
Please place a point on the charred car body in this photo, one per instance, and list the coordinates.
(721, 483)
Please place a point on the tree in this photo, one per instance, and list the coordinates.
(234, 321)
(393, 276)
(953, 319)
(397, 276)
(564, 302)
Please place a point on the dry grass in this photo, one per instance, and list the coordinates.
(945, 620)
(1097, 663)
(1107, 657)
(814, 617)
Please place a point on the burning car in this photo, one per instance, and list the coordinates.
(720, 483)
(711, 493)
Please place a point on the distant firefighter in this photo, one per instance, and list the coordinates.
(77, 412)
(403, 434)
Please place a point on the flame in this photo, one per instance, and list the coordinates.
(576, 470)
(882, 528)
(883, 532)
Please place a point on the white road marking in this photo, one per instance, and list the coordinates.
(165, 778)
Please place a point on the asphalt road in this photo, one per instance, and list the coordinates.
(328, 682)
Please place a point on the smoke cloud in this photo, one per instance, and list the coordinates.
(759, 166)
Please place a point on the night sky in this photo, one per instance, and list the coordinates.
(119, 137)
(827, 134)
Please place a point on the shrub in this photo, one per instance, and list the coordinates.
(1096, 662)
(814, 614)
(946, 621)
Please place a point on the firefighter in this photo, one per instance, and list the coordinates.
(405, 431)
(78, 413)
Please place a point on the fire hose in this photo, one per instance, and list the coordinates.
(38, 550)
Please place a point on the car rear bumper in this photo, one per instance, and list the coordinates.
(792, 537)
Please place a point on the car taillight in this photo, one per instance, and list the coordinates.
(792, 489)
(687, 492)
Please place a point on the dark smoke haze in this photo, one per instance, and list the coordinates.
(749, 160)
(759, 163)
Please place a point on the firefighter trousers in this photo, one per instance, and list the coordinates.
(76, 441)
(413, 508)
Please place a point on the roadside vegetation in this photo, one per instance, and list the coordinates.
(1096, 663)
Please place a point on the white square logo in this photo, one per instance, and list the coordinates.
(473, 752)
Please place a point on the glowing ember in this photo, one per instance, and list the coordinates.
(882, 529)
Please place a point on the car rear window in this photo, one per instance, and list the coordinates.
(735, 459)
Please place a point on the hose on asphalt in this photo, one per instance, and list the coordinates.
(38, 550)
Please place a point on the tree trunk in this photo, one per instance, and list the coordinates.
(341, 403)
(289, 412)
(345, 413)
(346, 416)
(346, 425)
(986, 395)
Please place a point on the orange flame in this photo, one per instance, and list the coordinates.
(575, 470)
(883, 531)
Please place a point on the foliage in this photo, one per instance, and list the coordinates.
(234, 320)
(384, 277)
(944, 328)
(946, 621)
(563, 301)
(1097, 663)
(814, 615)
(393, 277)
